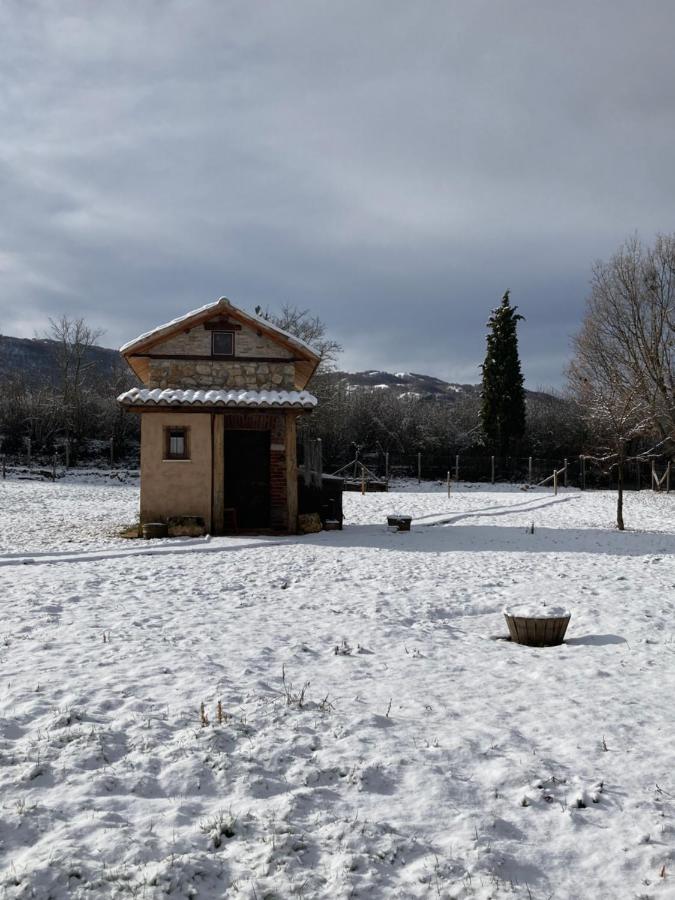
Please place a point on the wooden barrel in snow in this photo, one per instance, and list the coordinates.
(537, 626)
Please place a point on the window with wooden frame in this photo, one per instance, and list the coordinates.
(222, 343)
(176, 443)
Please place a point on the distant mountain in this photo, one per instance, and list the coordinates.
(406, 384)
(420, 387)
(37, 359)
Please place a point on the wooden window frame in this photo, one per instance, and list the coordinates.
(168, 456)
(213, 344)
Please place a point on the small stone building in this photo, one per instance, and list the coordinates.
(221, 396)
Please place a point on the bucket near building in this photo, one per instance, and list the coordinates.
(402, 523)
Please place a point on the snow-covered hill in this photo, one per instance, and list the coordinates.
(416, 386)
(37, 359)
(406, 384)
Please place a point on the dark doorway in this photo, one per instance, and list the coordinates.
(247, 477)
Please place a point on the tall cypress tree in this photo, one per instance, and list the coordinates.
(502, 394)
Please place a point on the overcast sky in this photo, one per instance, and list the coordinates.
(392, 166)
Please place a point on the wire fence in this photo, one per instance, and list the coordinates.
(96, 454)
(581, 471)
(584, 472)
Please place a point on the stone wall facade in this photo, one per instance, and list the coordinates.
(168, 367)
(189, 374)
(197, 341)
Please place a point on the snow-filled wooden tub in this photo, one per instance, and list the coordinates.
(537, 626)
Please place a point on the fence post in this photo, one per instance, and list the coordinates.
(54, 467)
(555, 481)
(655, 480)
(529, 470)
(67, 453)
(492, 468)
(637, 472)
(386, 465)
(565, 474)
(448, 482)
(419, 468)
(363, 479)
(112, 451)
(582, 464)
(457, 467)
(668, 477)
(4, 467)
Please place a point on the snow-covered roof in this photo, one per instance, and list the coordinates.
(167, 326)
(249, 399)
(225, 306)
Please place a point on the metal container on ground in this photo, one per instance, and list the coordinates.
(401, 522)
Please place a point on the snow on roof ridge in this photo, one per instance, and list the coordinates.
(170, 324)
(224, 303)
(216, 397)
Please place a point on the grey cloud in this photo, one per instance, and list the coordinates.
(391, 166)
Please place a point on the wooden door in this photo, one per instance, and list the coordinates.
(247, 477)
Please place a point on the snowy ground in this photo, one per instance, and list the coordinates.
(375, 740)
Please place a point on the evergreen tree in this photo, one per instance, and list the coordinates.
(502, 394)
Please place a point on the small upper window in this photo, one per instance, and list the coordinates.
(176, 446)
(222, 343)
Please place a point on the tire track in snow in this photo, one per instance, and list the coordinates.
(71, 556)
(529, 506)
(45, 557)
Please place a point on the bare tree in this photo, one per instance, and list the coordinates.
(113, 422)
(73, 340)
(615, 410)
(310, 329)
(631, 322)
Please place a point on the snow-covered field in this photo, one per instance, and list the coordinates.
(375, 739)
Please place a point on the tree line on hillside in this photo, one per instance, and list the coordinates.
(500, 420)
(73, 412)
(619, 406)
(620, 402)
(439, 429)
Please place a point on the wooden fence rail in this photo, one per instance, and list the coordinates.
(658, 483)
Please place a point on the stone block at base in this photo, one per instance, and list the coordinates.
(309, 523)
